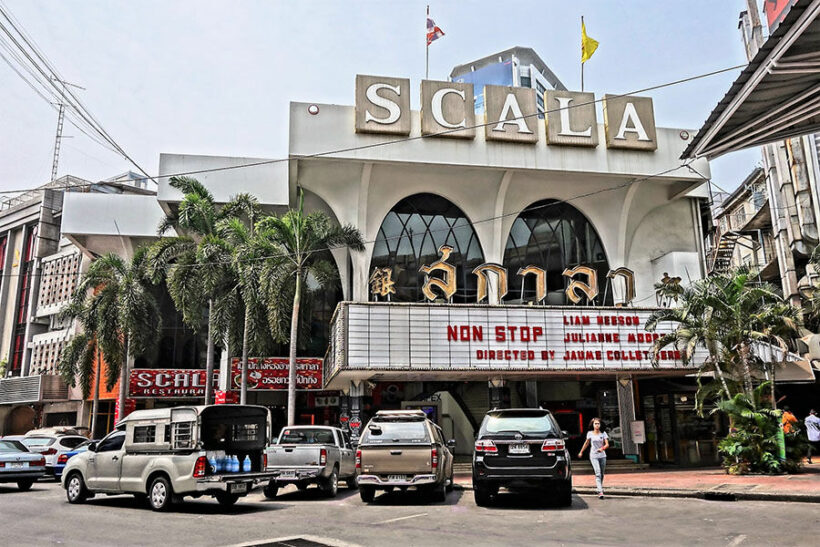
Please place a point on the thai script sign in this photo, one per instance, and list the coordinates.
(271, 373)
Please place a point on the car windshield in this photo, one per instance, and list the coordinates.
(11, 446)
(37, 442)
(306, 436)
(524, 422)
(393, 432)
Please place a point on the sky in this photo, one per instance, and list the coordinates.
(215, 78)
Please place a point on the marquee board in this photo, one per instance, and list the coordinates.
(419, 337)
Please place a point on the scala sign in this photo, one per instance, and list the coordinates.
(510, 114)
(168, 383)
(272, 373)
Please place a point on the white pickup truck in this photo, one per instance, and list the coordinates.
(305, 455)
(161, 455)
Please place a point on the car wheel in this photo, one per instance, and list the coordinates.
(226, 500)
(160, 495)
(451, 484)
(564, 497)
(75, 490)
(438, 492)
(330, 485)
(25, 485)
(351, 483)
(367, 493)
(483, 494)
(271, 490)
(302, 486)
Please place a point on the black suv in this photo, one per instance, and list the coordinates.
(520, 448)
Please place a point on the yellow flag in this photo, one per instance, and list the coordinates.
(588, 45)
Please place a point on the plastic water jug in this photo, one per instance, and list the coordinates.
(212, 464)
(235, 464)
(246, 464)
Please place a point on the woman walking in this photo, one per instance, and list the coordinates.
(598, 441)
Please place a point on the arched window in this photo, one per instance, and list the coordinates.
(410, 236)
(553, 235)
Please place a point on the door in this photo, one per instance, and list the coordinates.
(347, 465)
(105, 465)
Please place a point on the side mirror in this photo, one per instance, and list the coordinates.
(92, 447)
(565, 433)
(451, 443)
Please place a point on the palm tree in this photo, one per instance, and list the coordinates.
(728, 314)
(119, 317)
(198, 265)
(295, 246)
(248, 255)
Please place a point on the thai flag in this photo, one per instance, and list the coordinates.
(433, 32)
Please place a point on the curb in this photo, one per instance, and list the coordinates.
(710, 495)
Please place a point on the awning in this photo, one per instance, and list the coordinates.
(777, 95)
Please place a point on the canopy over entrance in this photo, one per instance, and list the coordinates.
(777, 95)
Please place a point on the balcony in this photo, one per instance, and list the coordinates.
(33, 389)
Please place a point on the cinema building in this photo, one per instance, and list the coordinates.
(510, 261)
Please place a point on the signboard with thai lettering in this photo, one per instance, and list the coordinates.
(419, 337)
(271, 373)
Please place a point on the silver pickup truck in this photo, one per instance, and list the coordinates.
(305, 455)
(164, 454)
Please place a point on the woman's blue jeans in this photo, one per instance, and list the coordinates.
(599, 465)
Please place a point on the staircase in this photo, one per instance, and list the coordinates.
(720, 260)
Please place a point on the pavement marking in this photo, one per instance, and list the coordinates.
(401, 518)
(737, 541)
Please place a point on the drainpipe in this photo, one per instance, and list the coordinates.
(780, 225)
(806, 226)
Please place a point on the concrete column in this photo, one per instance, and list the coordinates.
(357, 391)
(626, 411)
(532, 393)
(224, 370)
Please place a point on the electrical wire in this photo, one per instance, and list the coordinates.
(418, 137)
(77, 105)
(481, 221)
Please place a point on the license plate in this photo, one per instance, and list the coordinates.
(399, 478)
(238, 488)
(19, 464)
(519, 449)
(288, 475)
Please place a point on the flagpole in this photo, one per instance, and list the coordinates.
(582, 56)
(427, 48)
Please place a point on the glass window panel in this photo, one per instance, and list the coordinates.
(427, 221)
(553, 235)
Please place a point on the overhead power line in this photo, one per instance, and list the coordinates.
(25, 45)
(481, 221)
(409, 139)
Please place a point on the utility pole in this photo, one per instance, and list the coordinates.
(59, 137)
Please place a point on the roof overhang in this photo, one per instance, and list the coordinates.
(777, 96)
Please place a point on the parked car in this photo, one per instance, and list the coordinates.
(63, 458)
(305, 455)
(404, 449)
(51, 446)
(19, 465)
(168, 453)
(521, 448)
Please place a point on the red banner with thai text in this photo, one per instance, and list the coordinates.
(271, 373)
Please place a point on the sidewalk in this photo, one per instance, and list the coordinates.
(704, 483)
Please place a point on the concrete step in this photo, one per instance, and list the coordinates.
(579, 466)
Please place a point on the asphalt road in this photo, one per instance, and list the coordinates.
(42, 516)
